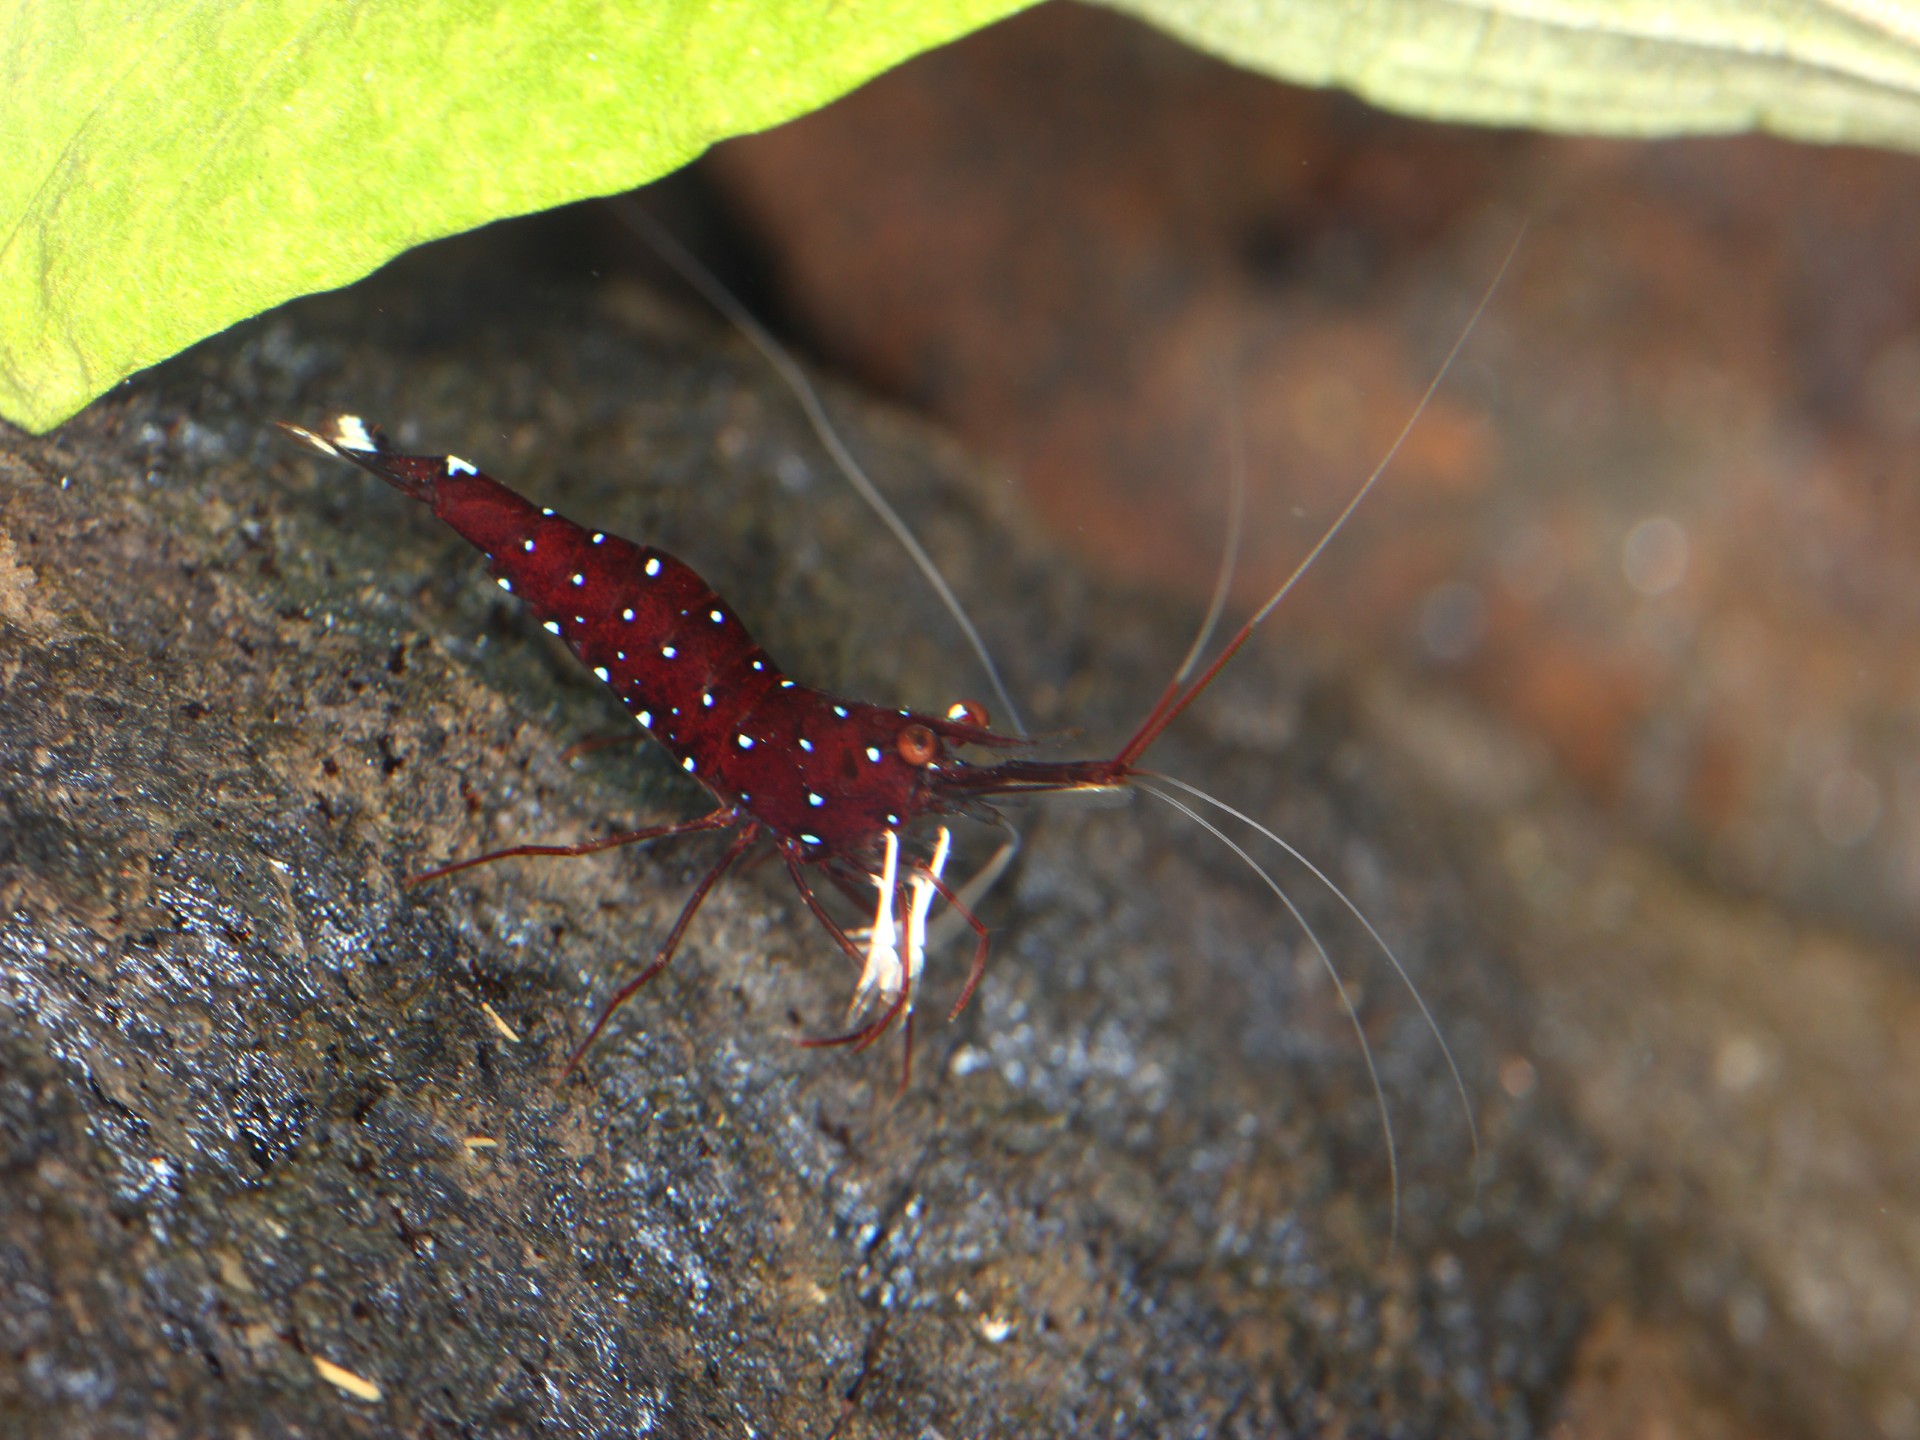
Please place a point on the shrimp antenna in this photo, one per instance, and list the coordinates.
(1333, 974)
(1176, 699)
(1230, 547)
(637, 218)
(1426, 1014)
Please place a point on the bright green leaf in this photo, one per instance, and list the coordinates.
(1834, 70)
(168, 168)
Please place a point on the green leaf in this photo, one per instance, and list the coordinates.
(174, 166)
(1833, 70)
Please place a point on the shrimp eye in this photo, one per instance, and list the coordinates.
(968, 712)
(916, 744)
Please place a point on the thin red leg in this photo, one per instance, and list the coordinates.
(715, 820)
(980, 946)
(861, 1038)
(827, 922)
(856, 885)
(865, 1035)
(626, 992)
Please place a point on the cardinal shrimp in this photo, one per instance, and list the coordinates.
(855, 794)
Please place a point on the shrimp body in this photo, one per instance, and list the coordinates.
(835, 784)
(826, 777)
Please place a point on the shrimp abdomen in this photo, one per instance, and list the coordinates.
(641, 620)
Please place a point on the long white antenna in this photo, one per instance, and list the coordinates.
(1230, 546)
(1175, 700)
(1393, 450)
(1332, 972)
(1426, 1014)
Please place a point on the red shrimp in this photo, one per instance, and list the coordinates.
(833, 784)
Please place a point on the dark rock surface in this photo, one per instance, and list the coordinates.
(257, 1121)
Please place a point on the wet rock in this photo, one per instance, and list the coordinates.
(287, 1144)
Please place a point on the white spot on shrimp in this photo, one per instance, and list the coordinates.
(619, 654)
(653, 565)
(706, 699)
(527, 545)
(807, 745)
(716, 617)
(841, 711)
(457, 466)
(873, 753)
(668, 651)
(627, 615)
(579, 579)
(505, 584)
(893, 819)
(758, 665)
(687, 765)
(646, 718)
(546, 510)
(807, 839)
(601, 671)
(599, 537)
(552, 627)
(746, 741)
(351, 431)
(786, 684)
(815, 800)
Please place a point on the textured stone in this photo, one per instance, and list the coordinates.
(1138, 1189)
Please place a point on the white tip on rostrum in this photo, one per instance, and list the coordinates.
(350, 433)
